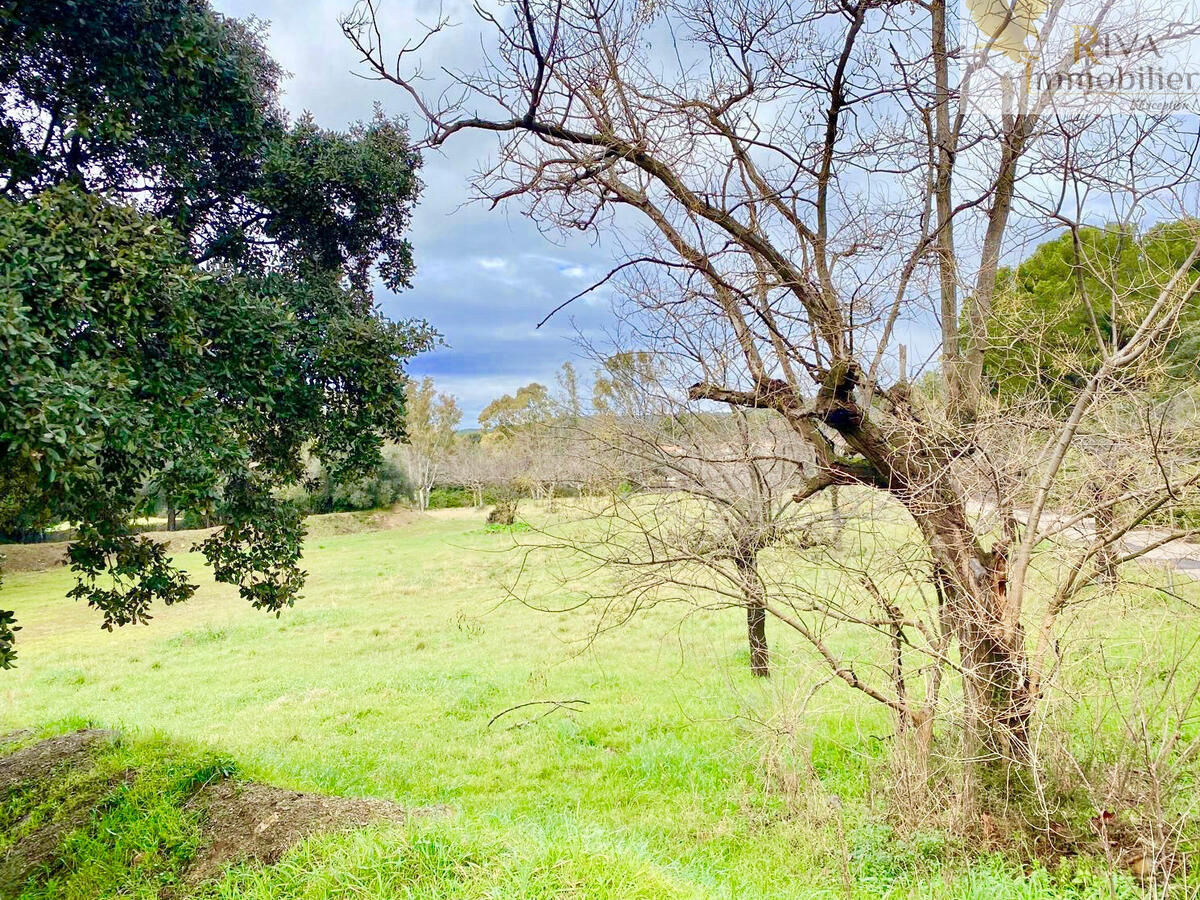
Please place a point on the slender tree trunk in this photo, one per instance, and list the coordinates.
(943, 172)
(756, 631)
(837, 519)
(756, 613)
(1106, 558)
(1105, 519)
(170, 516)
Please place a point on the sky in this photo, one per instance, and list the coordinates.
(485, 278)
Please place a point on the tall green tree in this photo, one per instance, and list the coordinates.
(175, 107)
(432, 418)
(1077, 297)
(526, 408)
(185, 292)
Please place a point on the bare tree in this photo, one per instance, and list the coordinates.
(536, 427)
(715, 490)
(480, 466)
(812, 177)
(472, 467)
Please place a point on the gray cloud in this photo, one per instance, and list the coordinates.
(484, 278)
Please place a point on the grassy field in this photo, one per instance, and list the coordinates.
(382, 682)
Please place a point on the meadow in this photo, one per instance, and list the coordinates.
(678, 775)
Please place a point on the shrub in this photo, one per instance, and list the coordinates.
(504, 512)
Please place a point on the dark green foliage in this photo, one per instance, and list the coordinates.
(23, 515)
(452, 498)
(188, 348)
(103, 349)
(169, 102)
(8, 629)
(136, 570)
(332, 198)
(1061, 309)
(259, 547)
(105, 92)
(380, 489)
(126, 366)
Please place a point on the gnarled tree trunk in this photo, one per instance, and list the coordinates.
(981, 617)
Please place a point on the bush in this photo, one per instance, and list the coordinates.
(388, 485)
(450, 498)
(1180, 517)
(325, 494)
(455, 497)
(504, 512)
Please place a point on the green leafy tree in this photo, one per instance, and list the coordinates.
(176, 107)
(618, 387)
(568, 389)
(1077, 297)
(184, 300)
(432, 418)
(528, 407)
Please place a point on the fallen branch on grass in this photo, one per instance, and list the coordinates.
(555, 705)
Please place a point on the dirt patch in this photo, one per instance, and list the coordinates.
(33, 557)
(52, 554)
(334, 524)
(239, 821)
(39, 761)
(249, 822)
(21, 771)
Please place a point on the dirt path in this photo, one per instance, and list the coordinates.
(1183, 555)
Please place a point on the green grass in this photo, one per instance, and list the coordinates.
(381, 682)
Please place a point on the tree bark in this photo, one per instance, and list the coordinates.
(756, 614)
(836, 517)
(973, 582)
(756, 630)
(1105, 519)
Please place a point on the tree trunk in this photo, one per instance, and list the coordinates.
(1105, 519)
(756, 631)
(756, 613)
(170, 516)
(837, 519)
(1106, 559)
(996, 687)
(973, 582)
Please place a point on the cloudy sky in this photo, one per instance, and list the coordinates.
(484, 278)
